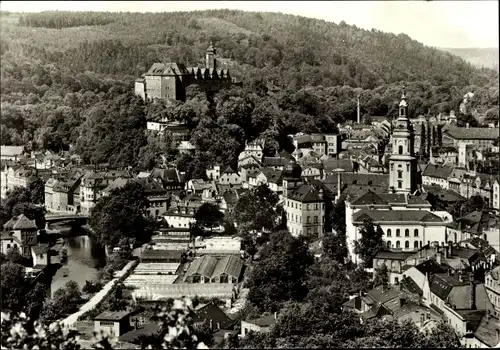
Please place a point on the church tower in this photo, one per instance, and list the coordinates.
(402, 161)
(210, 58)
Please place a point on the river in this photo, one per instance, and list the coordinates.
(85, 259)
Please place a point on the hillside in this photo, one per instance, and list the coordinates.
(480, 57)
(289, 50)
(67, 82)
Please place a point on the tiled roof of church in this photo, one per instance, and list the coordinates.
(384, 216)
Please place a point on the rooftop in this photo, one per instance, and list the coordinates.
(112, 316)
(386, 216)
(472, 133)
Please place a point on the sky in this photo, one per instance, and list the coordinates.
(450, 24)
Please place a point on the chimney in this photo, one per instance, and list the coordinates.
(460, 278)
(472, 291)
(338, 186)
(211, 324)
(320, 194)
(276, 314)
(359, 113)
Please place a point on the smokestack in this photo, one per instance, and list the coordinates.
(338, 186)
(472, 291)
(359, 113)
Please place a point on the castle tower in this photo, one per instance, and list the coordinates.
(210, 57)
(402, 161)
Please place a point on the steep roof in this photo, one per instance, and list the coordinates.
(23, 223)
(472, 133)
(441, 285)
(211, 312)
(385, 216)
(229, 170)
(438, 171)
(332, 164)
(305, 194)
(264, 321)
(170, 68)
(273, 176)
(430, 267)
(275, 161)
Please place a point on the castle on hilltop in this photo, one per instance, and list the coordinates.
(170, 80)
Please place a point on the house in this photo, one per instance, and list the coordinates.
(229, 177)
(272, 178)
(25, 232)
(436, 175)
(482, 138)
(181, 213)
(278, 162)
(395, 262)
(208, 269)
(40, 255)
(161, 256)
(213, 172)
(62, 193)
(11, 152)
(15, 176)
(492, 284)
(114, 323)
(253, 150)
(169, 178)
(371, 165)
(442, 198)
(170, 80)
(198, 187)
(405, 220)
(93, 184)
(446, 155)
(260, 325)
(212, 316)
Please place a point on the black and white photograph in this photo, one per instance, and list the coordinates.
(249, 174)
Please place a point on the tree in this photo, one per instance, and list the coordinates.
(122, 214)
(36, 189)
(440, 135)
(370, 243)
(335, 246)
(423, 140)
(13, 286)
(281, 273)
(381, 275)
(209, 216)
(258, 209)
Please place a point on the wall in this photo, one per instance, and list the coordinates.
(113, 328)
(230, 178)
(246, 327)
(179, 220)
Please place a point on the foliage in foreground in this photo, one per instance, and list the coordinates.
(176, 324)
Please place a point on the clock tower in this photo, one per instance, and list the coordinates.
(402, 161)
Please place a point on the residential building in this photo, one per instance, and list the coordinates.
(259, 325)
(113, 323)
(213, 172)
(272, 178)
(492, 284)
(437, 175)
(402, 161)
(305, 210)
(181, 213)
(170, 80)
(496, 194)
(93, 184)
(23, 231)
(406, 220)
(62, 192)
(15, 176)
(254, 149)
(229, 177)
(11, 152)
(180, 132)
(482, 138)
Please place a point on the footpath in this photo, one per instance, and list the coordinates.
(70, 321)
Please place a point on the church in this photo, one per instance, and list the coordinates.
(406, 220)
(170, 80)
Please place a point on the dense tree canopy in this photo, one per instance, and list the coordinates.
(122, 214)
(281, 274)
(370, 243)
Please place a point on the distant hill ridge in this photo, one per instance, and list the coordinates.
(481, 57)
(286, 49)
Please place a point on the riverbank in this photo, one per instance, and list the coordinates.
(70, 321)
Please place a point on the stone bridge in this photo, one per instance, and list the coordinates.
(77, 218)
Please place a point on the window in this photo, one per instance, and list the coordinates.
(315, 219)
(389, 244)
(398, 232)
(389, 233)
(420, 244)
(400, 184)
(316, 206)
(408, 167)
(415, 233)
(106, 323)
(407, 244)
(415, 245)
(392, 166)
(398, 245)
(407, 233)
(400, 149)
(400, 174)
(308, 219)
(309, 231)
(396, 280)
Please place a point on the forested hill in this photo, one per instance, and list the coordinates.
(288, 50)
(67, 82)
(480, 57)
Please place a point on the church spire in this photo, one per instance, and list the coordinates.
(403, 105)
